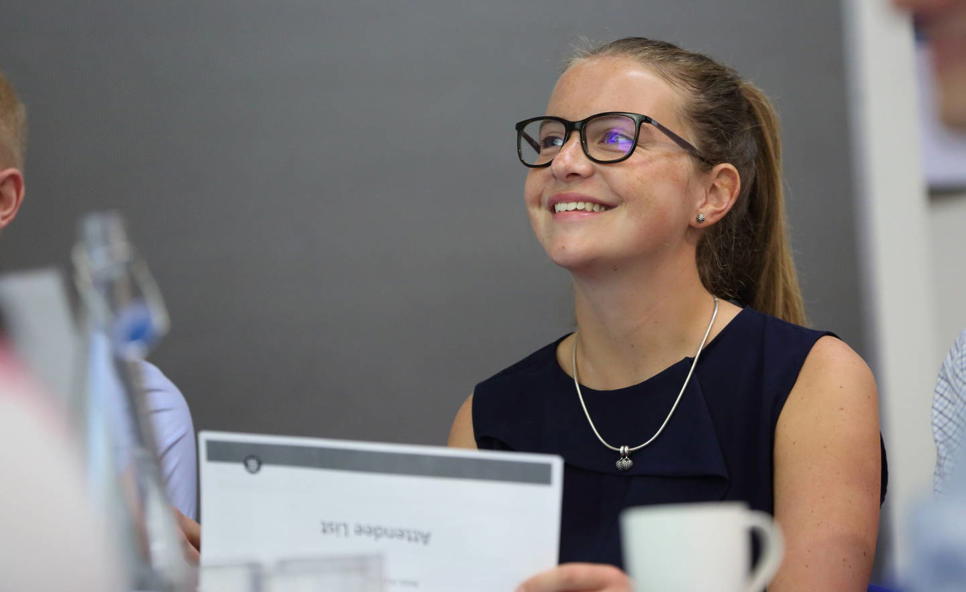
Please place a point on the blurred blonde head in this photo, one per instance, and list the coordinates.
(13, 127)
(13, 147)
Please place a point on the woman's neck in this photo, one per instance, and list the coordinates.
(634, 323)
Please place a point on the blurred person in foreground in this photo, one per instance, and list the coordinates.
(943, 25)
(170, 416)
(51, 537)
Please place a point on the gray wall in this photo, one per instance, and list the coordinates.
(328, 192)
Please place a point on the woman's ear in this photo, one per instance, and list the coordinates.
(721, 189)
(11, 194)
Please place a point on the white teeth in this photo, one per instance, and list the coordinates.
(578, 205)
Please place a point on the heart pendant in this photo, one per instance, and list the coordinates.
(624, 464)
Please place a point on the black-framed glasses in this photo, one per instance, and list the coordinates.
(606, 138)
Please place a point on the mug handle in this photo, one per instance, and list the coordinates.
(772, 549)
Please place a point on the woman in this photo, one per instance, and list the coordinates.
(655, 181)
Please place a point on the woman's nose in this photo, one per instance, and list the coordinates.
(571, 160)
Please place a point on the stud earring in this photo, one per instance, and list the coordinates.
(699, 218)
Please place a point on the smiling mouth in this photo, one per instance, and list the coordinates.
(584, 206)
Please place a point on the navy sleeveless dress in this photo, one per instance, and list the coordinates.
(717, 446)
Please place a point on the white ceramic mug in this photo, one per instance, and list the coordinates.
(706, 546)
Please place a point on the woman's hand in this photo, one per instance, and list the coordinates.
(585, 577)
(191, 533)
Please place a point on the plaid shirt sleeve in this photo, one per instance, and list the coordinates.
(949, 412)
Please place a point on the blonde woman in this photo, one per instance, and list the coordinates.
(655, 180)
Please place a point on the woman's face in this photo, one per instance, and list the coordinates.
(648, 200)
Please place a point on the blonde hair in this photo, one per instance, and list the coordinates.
(13, 126)
(746, 256)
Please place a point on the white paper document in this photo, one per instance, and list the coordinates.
(442, 519)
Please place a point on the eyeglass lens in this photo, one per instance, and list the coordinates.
(606, 138)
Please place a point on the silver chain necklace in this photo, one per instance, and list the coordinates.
(624, 462)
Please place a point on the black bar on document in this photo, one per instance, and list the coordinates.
(392, 463)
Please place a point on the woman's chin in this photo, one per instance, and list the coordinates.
(574, 260)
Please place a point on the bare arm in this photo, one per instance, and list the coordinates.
(827, 472)
(461, 433)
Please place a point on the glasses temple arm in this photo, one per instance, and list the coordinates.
(680, 141)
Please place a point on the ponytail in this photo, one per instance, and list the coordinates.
(776, 290)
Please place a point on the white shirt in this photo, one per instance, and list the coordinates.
(949, 414)
(108, 412)
(174, 434)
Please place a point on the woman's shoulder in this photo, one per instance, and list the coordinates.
(506, 405)
(775, 327)
(537, 363)
(831, 379)
(774, 351)
(821, 349)
(756, 337)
